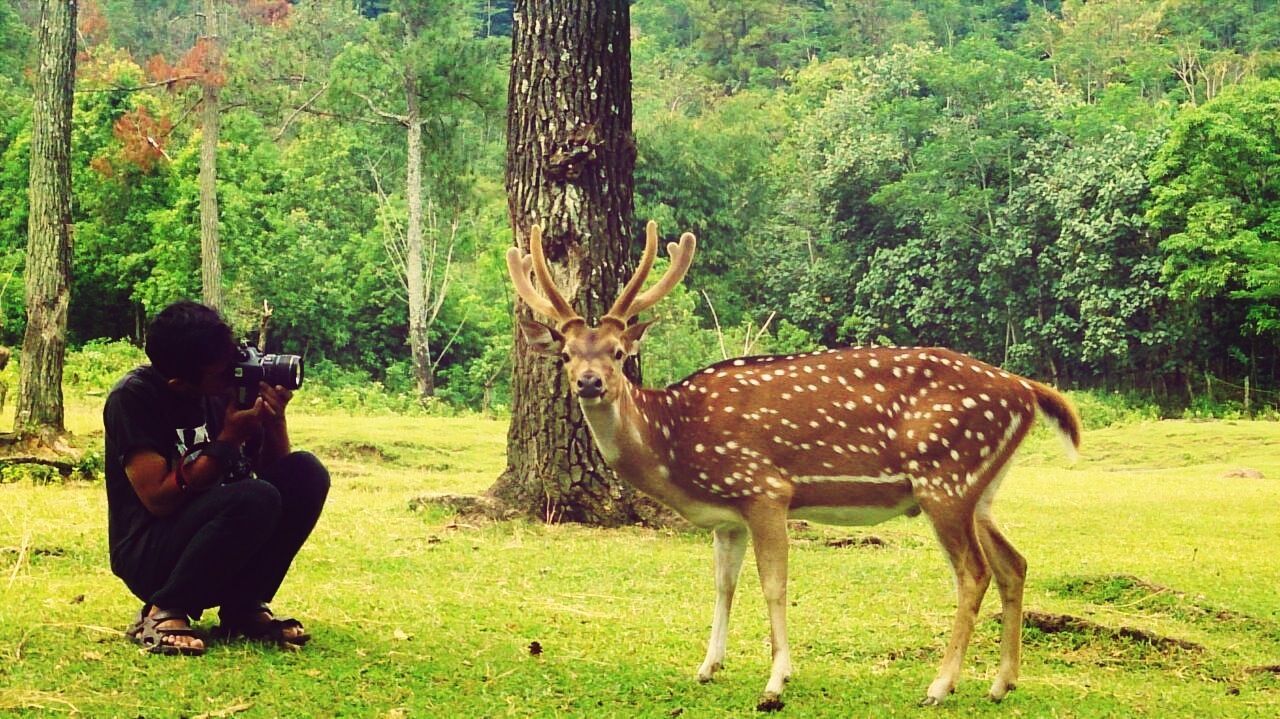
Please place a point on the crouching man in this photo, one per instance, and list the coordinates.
(207, 505)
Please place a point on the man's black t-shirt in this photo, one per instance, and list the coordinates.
(143, 413)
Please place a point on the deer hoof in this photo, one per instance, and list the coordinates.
(1000, 689)
(770, 702)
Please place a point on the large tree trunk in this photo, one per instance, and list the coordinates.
(210, 249)
(48, 268)
(413, 270)
(570, 160)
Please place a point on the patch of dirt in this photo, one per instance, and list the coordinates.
(466, 505)
(1067, 623)
(1243, 473)
(358, 451)
(1139, 596)
(867, 540)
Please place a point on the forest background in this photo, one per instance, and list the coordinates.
(1087, 193)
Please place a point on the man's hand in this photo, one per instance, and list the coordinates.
(238, 425)
(274, 400)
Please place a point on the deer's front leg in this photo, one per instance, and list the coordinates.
(730, 547)
(768, 524)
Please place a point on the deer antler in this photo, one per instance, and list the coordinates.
(629, 292)
(628, 304)
(519, 265)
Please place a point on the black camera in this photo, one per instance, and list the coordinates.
(251, 367)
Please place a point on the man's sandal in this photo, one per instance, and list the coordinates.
(147, 632)
(249, 625)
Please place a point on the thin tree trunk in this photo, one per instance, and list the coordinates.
(48, 269)
(570, 163)
(210, 249)
(422, 372)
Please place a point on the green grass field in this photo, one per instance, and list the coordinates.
(418, 615)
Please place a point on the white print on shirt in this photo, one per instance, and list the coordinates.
(190, 437)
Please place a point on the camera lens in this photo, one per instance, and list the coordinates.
(282, 370)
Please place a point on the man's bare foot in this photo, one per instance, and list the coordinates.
(264, 622)
(166, 631)
(260, 624)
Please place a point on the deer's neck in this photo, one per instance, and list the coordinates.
(628, 433)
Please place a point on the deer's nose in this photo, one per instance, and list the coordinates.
(590, 385)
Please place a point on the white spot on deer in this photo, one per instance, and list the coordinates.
(969, 402)
(739, 363)
(858, 373)
(955, 454)
(728, 410)
(873, 362)
(922, 447)
(698, 448)
(879, 387)
(891, 433)
(991, 416)
(709, 370)
(813, 387)
(867, 398)
(786, 395)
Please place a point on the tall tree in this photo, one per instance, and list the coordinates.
(210, 249)
(418, 73)
(570, 162)
(48, 269)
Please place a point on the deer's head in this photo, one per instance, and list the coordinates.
(593, 356)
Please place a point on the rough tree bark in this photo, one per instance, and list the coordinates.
(48, 268)
(570, 160)
(210, 249)
(423, 376)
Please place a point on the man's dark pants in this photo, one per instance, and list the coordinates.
(230, 546)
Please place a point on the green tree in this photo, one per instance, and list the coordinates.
(1216, 205)
(419, 71)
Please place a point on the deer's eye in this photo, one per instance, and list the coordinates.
(619, 354)
(564, 357)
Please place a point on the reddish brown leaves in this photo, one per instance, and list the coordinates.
(201, 65)
(267, 12)
(142, 139)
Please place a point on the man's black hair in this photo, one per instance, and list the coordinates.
(185, 338)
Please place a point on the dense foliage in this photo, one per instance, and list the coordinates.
(1084, 192)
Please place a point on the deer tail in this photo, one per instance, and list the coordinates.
(1063, 414)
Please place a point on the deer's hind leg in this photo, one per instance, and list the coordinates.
(1010, 569)
(953, 522)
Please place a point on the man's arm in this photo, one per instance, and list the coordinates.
(157, 485)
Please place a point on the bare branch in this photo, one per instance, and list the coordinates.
(148, 86)
(398, 119)
(289, 121)
(724, 352)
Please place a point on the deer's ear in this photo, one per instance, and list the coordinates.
(634, 334)
(542, 339)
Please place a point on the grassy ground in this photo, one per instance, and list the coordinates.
(417, 615)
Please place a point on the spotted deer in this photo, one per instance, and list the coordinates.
(847, 436)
